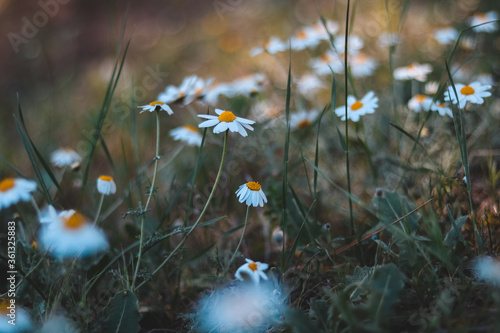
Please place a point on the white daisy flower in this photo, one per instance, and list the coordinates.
(309, 84)
(321, 32)
(414, 71)
(226, 120)
(187, 134)
(106, 185)
(442, 109)
(252, 194)
(303, 119)
(12, 312)
(419, 103)
(488, 269)
(70, 235)
(253, 271)
(247, 85)
(156, 106)
(305, 38)
(355, 108)
(387, 39)
(474, 93)
(362, 65)
(191, 88)
(481, 18)
(445, 36)
(13, 190)
(273, 46)
(65, 157)
(431, 87)
(327, 63)
(354, 44)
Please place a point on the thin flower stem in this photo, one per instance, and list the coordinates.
(99, 209)
(151, 191)
(239, 244)
(35, 205)
(224, 150)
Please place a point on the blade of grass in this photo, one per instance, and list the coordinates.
(16, 170)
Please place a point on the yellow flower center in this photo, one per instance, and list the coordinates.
(181, 94)
(356, 106)
(75, 221)
(106, 178)
(361, 58)
(325, 58)
(227, 116)
(7, 184)
(4, 303)
(252, 266)
(441, 105)
(34, 245)
(156, 103)
(199, 91)
(254, 186)
(191, 128)
(420, 98)
(301, 35)
(304, 124)
(467, 90)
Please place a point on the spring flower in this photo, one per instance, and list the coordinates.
(322, 33)
(431, 87)
(156, 106)
(13, 190)
(414, 71)
(273, 46)
(481, 18)
(474, 93)
(362, 65)
(327, 63)
(65, 157)
(420, 103)
(106, 185)
(253, 271)
(191, 88)
(355, 108)
(246, 86)
(305, 38)
(252, 194)
(12, 312)
(354, 44)
(387, 39)
(446, 35)
(488, 269)
(308, 85)
(187, 134)
(68, 234)
(226, 120)
(442, 109)
(302, 119)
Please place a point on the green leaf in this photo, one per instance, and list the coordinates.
(122, 313)
(392, 206)
(384, 286)
(455, 232)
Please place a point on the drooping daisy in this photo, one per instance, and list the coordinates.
(253, 271)
(488, 269)
(187, 134)
(106, 185)
(10, 311)
(354, 44)
(302, 119)
(442, 109)
(273, 46)
(474, 93)
(445, 36)
(226, 120)
(419, 103)
(156, 106)
(69, 234)
(355, 108)
(481, 18)
(252, 194)
(309, 84)
(65, 157)
(305, 38)
(13, 190)
(414, 71)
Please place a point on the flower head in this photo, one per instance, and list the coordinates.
(419, 103)
(305, 38)
(387, 39)
(65, 157)
(191, 88)
(362, 65)
(473, 93)
(488, 269)
(354, 44)
(246, 86)
(8, 310)
(156, 106)
(253, 271)
(106, 185)
(327, 63)
(273, 46)
(252, 194)
(481, 18)
(355, 108)
(68, 234)
(303, 119)
(321, 32)
(226, 120)
(414, 71)
(442, 109)
(187, 134)
(13, 190)
(309, 84)
(445, 35)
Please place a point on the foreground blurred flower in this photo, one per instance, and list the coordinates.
(106, 185)
(156, 106)
(481, 18)
(12, 313)
(420, 103)
(474, 93)
(65, 157)
(187, 134)
(356, 109)
(13, 190)
(414, 71)
(251, 271)
(226, 120)
(68, 234)
(252, 194)
(302, 119)
(488, 269)
(446, 35)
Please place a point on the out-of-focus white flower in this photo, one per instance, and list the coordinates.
(156, 106)
(356, 109)
(251, 271)
(65, 157)
(362, 65)
(442, 109)
(305, 38)
(387, 39)
(473, 93)
(354, 44)
(251, 193)
(420, 103)
(59, 324)
(13, 319)
(488, 269)
(485, 78)
(226, 120)
(468, 43)
(106, 185)
(309, 84)
(414, 71)
(302, 119)
(187, 134)
(69, 234)
(13, 190)
(191, 88)
(246, 86)
(481, 18)
(445, 35)
(273, 46)
(431, 87)
(327, 63)
(321, 32)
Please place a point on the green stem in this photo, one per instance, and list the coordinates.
(99, 209)
(224, 150)
(239, 244)
(151, 190)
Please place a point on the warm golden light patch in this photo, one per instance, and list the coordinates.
(467, 90)
(4, 303)
(356, 106)
(252, 266)
(7, 184)
(227, 116)
(106, 178)
(156, 103)
(304, 124)
(75, 221)
(191, 128)
(34, 245)
(254, 186)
